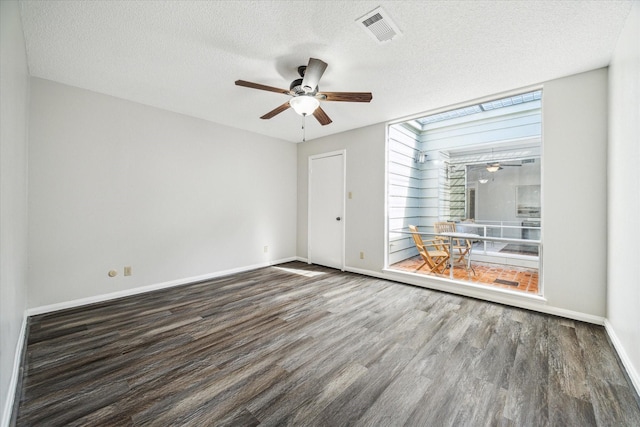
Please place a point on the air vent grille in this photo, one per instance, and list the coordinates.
(375, 18)
(379, 25)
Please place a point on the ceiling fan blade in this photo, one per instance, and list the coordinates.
(321, 116)
(276, 111)
(347, 96)
(261, 87)
(315, 70)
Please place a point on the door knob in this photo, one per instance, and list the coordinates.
(338, 218)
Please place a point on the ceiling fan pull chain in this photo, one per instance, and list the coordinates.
(304, 128)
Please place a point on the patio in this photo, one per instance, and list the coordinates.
(495, 275)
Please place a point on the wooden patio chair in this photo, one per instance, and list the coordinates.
(463, 246)
(432, 252)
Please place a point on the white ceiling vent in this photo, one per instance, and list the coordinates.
(379, 25)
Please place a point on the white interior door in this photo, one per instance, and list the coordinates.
(326, 209)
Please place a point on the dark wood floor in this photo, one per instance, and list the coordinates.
(305, 345)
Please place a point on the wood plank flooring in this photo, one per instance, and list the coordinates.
(306, 345)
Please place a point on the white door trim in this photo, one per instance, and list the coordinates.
(342, 153)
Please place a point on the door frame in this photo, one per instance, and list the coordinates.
(313, 157)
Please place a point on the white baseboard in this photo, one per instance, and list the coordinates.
(15, 374)
(626, 362)
(366, 272)
(134, 291)
(570, 314)
(511, 298)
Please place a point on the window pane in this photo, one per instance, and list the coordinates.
(476, 169)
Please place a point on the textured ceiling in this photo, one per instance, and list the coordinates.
(184, 56)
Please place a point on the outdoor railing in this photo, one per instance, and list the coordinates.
(529, 259)
(499, 226)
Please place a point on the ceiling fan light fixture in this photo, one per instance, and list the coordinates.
(304, 104)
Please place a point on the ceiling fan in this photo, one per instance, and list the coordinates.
(496, 166)
(305, 94)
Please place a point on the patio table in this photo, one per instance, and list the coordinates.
(455, 235)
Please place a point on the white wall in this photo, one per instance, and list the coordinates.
(14, 86)
(364, 212)
(623, 290)
(114, 183)
(574, 199)
(574, 192)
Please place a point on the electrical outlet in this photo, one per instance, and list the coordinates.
(361, 255)
(350, 195)
(127, 271)
(266, 249)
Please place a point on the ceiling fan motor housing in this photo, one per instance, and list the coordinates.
(296, 87)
